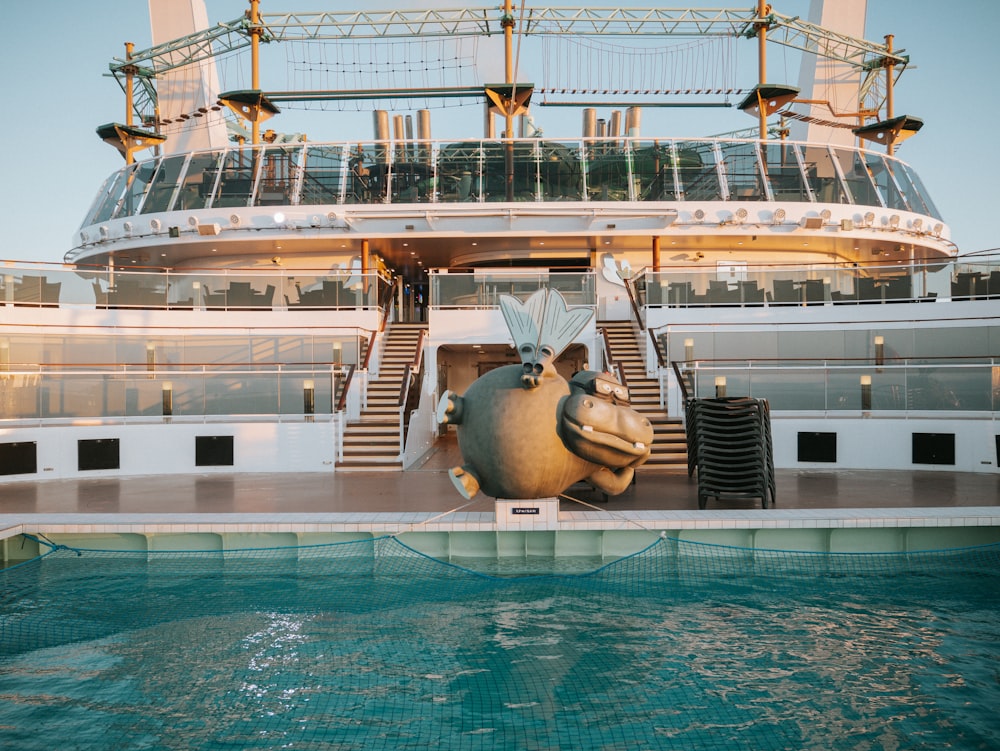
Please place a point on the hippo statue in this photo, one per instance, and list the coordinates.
(526, 432)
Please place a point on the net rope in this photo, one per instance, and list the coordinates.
(372, 644)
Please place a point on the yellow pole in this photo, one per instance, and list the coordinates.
(656, 252)
(129, 95)
(255, 32)
(890, 147)
(762, 10)
(508, 38)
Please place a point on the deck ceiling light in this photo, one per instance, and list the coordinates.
(772, 97)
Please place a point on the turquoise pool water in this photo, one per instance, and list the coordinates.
(376, 647)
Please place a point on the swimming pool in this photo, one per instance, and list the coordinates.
(374, 646)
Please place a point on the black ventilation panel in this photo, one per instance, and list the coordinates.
(97, 453)
(934, 448)
(19, 458)
(817, 447)
(213, 451)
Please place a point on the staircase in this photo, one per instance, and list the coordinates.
(373, 443)
(669, 438)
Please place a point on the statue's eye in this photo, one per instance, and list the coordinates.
(604, 387)
(621, 392)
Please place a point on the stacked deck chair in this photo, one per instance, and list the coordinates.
(729, 444)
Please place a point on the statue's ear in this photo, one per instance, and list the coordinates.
(523, 319)
(560, 325)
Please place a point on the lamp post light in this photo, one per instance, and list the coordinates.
(720, 387)
(168, 400)
(866, 393)
(308, 399)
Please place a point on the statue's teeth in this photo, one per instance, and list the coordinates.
(639, 445)
(588, 428)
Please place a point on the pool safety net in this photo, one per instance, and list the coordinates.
(372, 644)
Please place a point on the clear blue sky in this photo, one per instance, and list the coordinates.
(55, 57)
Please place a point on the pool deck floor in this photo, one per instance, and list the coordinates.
(424, 498)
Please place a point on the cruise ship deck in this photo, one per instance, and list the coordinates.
(842, 511)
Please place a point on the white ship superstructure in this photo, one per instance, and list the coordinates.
(277, 303)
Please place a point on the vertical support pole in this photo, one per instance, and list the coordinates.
(508, 39)
(656, 252)
(365, 270)
(890, 146)
(129, 95)
(255, 32)
(762, 10)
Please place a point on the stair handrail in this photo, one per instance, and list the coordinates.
(384, 304)
(342, 400)
(660, 360)
(405, 398)
(634, 304)
(613, 366)
(680, 382)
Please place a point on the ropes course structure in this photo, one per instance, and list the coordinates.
(339, 28)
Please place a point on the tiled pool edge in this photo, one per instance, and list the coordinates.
(397, 523)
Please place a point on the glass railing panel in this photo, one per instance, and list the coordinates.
(697, 173)
(23, 288)
(858, 178)
(199, 181)
(340, 290)
(367, 173)
(741, 163)
(128, 290)
(109, 205)
(99, 199)
(460, 172)
(164, 185)
(823, 177)
(294, 400)
(136, 189)
(653, 170)
(236, 178)
(784, 172)
(881, 174)
(952, 388)
(483, 288)
(921, 196)
(412, 180)
(226, 394)
(609, 171)
(322, 178)
(525, 182)
(279, 171)
(560, 171)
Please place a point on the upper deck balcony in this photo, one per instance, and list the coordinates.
(580, 187)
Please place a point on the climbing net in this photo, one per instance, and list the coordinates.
(380, 65)
(582, 65)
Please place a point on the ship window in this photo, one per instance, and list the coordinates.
(164, 185)
(102, 195)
